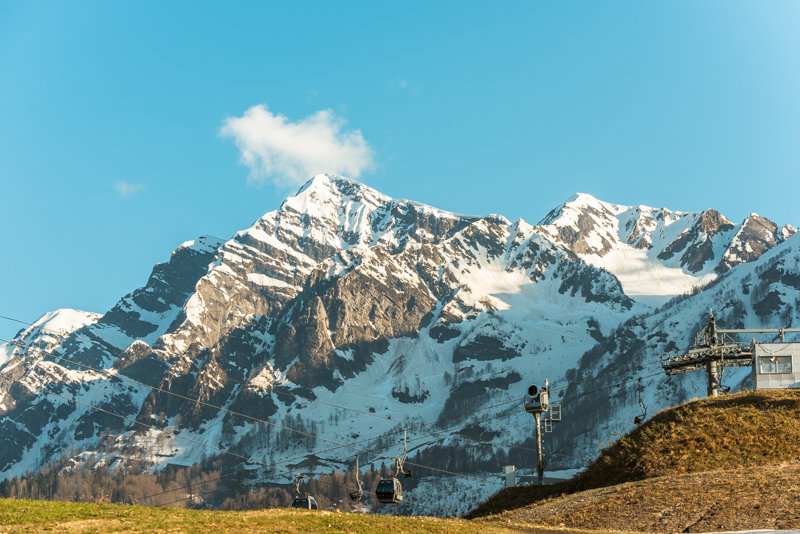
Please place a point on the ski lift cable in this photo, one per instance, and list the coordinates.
(317, 481)
(162, 390)
(189, 486)
(229, 379)
(410, 427)
(47, 391)
(203, 403)
(448, 431)
(285, 393)
(211, 447)
(154, 388)
(246, 458)
(444, 432)
(609, 386)
(232, 412)
(280, 426)
(122, 377)
(269, 422)
(219, 408)
(153, 427)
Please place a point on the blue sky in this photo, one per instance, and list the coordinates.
(111, 114)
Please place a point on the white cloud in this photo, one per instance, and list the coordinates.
(127, 190)
(289, 153)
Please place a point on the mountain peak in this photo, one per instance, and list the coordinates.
(582, 199)
(325, 181)
(204, 243)
(331, 190)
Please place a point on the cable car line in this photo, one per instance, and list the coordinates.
(610, 386)
(178, 436)
(184, 397)
(339, 444)
(219, 408)
(285, 393)
(446, 430)
(152, 427)
(410, 427)
(317, 481)
(232, 412)
(284, 462)
(95, 342)
(315, 453)
(269, 466)
(430, 468)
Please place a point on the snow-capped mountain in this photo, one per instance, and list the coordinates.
(658, 252)
(345, 315)
(764, 293)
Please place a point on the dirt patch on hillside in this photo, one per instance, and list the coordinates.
(766, 497)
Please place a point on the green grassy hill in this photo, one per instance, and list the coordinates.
(661, 476)
(17, 516)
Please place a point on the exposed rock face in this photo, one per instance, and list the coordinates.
(345, 298)
(657, 251)
(762, 294)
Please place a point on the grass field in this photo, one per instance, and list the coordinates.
(17, 516)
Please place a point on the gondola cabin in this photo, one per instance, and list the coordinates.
(307, 502)
(389, 491)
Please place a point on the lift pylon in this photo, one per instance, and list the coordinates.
(713, 348)
(537, 402)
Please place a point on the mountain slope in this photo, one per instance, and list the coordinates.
(763, 293)
(658, 252)
(346, 315)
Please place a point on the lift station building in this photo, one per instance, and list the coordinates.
(776, 365)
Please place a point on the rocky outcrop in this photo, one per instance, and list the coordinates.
(344, 298)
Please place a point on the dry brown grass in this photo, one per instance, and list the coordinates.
(763, 497)
(741, 438)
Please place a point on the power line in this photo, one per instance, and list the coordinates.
(306, 434)
(610, 386)
(219, 408)
(222, 451)
(232, 412)
(273, 390)
(286, 461)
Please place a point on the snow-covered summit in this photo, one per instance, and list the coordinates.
(350, 297)
(657, 252)
(203, 244)
(65, 320)
(48, 331)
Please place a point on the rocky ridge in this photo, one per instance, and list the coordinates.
(344, 296)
